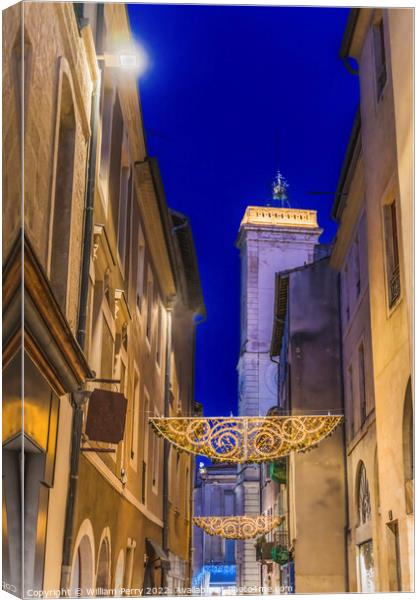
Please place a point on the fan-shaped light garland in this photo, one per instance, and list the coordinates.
(238, 528)
(245, 439)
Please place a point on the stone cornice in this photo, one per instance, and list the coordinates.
(268, 223)
(273, 216)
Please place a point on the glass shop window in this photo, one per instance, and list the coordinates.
(366, 567)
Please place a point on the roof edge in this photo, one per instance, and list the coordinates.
(352, 151)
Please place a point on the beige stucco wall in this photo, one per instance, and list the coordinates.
(401, 55)
(317, 517)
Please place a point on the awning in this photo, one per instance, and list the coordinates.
(156, 552)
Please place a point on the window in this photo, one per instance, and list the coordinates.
(366, 567)
(392, 256)
(140, 268)
(159, 335)
(380, 60)
(362, 384)
(155, 459)
(363, 500)
(356, 251)
(122, 215)
(107, 287)
(116, 160)
(346, 295)
(22, 55)
(149, 316)
(107, 356)
(135, 419)
(145, 433)
(350, 404)
(61, 226)
(408, 448)
(102, 576)
(108, 99)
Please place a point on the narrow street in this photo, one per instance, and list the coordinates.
(207, 300)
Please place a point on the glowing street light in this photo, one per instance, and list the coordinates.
(133, 59)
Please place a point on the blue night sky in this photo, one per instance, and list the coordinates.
(231, 95)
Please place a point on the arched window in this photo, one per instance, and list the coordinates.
(102, 576)
(61, 226)
(363, 496)
(82, 571)
(408, 447)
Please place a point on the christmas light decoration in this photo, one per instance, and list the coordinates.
(238, 528)
(245, 439)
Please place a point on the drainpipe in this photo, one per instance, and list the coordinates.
(192, 468)
(79, 399)
(88, 229)
(166, 447)
(346, 495)
(261, 506)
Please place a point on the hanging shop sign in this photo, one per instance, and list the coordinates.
(106, 416)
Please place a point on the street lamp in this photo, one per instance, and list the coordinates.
(132, 58)
(202, 470)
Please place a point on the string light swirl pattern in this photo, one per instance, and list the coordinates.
(245, 439)
(238, 528)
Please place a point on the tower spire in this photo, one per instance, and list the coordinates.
(279, 190)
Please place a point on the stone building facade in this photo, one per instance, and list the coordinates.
(48, 73)
(270, 239)
(112, 296)
(380, 187)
